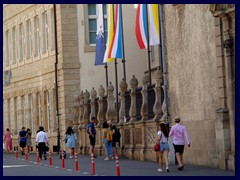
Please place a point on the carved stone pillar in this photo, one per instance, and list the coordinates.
(27, 112)
(14, 110)
(133, 107)
(100, 115)
(44, 110)
(35, 112)
(93, 97)
(86, 96)
(157, 105)
(144, 92)
(81, 109)
(19, 112)
(53, 117)
(122, 110)
(76, 111)
(111, 111)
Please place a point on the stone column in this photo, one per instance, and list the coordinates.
(27, 112)
(93, 97)
(144, 92)
(14, 115)
(100, 115)
(84, 134)
(12, 118)
(81, 110)
(19, 112)
(43, 109)
(53, 118)
(157, 105)
(122, 110)
(76, 118)
(85, 107)
(35, 112)
(229, 63)
(133, 107)
(6, 123)
(111, 110)
(76, 112)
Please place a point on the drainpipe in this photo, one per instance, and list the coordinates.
(56, 78)
(164, 61)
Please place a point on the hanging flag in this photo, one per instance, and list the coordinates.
(141, 26)
(110, 33)
(100, 46)
(154, 38)
(116, 48)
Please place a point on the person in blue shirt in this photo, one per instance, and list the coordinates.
(22, 139)
(92, 135)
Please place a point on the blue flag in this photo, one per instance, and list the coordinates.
(100, 44)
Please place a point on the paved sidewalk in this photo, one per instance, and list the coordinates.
(108, 168)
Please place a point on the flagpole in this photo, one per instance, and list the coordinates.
(149, 51)
(123, 60)
(105, 66)
(160, 43)
(116, 76)
(163, 61)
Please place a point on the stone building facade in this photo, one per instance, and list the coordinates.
(200, 57)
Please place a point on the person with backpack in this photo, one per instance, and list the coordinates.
(92, 135)
(116, 138)
(107, 140)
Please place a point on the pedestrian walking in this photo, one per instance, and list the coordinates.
(180, 135)
(107, 140)
(115, 139)
(92, 135)
(29, 140)
(164, 147)
(42, 141)
(22, 139)
(70, 140)
(8, 140)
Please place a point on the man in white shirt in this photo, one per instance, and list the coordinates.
(42, 141)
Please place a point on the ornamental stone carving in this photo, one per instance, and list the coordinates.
(111, 111)
(157, 105)
(122, 111)
(100, 115)
(133, 108)
(144, 92)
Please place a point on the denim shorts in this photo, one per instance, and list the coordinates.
(164, 146)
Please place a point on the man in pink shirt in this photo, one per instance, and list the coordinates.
(179, 134)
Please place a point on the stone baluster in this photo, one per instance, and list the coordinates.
(81, 109)
(122, 110)
(76, 111)
(100, 115)
(144, 92)
(111, 111)
(93, 96)
(157, 105)
(86, 96)
(133, 108)
(164, 110)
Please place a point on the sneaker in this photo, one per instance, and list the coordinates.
(71, 157)
(106, 159)
(167, 169)
(160, 170)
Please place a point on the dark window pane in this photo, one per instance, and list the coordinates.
(91, 9)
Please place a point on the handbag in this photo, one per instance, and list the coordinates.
(156, 147)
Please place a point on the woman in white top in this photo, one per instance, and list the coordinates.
(164, 146)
